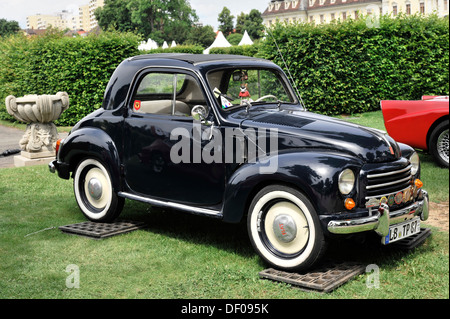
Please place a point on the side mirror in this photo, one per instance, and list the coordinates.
(199, 113)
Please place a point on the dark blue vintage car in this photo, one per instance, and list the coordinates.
(227, 137)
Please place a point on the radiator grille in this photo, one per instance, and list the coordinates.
(384, 183)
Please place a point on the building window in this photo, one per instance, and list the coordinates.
(408, 9)
(356, 14)
(344, 16)
(422, 7)
(321, 18)
(332, 17)
(445, 5)
(394, 9)
(311, 19)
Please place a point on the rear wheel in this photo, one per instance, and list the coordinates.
(94, 192)
(439, 144)
(284, 228)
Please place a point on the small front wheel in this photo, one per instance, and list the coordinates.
(284, 228)
(94, 192)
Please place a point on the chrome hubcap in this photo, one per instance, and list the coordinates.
(284, 228)
(442, 145)
(95, 188)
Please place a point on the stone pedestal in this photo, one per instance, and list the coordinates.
(23, 160)
(38, 144)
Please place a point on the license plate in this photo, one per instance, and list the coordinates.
(402, 230)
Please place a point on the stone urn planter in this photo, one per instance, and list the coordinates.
(38, 144)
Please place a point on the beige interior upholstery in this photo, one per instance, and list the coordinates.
(164, 107)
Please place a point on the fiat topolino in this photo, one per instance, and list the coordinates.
(227, 137)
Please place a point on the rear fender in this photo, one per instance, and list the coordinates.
(91, 143)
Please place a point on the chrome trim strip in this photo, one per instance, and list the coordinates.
(389, 173)
(390, 183)
(191, 209)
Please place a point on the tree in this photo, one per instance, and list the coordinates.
(251, 22)
(254, 24)
(8, 27)
(226, 21)
(114, 14)
(201, 35)
(235, 38)
(161, 20)
(240, 23)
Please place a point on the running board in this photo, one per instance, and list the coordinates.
(187, 208)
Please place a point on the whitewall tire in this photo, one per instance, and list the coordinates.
(284, 228)
(94, 192)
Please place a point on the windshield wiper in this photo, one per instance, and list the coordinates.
(278, 103)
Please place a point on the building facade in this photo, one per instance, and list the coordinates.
(325, 11)
(93, 5)
(83, 18)
(44, 21)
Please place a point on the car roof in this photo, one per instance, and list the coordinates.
(196, 58)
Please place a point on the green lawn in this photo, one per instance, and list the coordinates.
(179, 255)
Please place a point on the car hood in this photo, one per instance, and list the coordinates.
(301, 129)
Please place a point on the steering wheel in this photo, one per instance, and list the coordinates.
(266, 97)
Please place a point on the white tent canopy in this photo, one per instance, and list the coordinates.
(219, 42)
(246, 39)
(149, 45)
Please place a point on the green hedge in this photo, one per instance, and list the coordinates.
(194, 49)
(247, 50)
(80, 66)
(349, 67)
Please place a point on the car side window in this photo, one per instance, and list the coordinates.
(167, 94)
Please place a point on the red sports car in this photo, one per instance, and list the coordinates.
(422, 124)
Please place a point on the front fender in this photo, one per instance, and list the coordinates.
(91, 143)
(315, 174)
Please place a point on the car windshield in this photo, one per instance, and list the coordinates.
(242, 87)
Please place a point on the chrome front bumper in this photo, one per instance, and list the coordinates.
(382, 218)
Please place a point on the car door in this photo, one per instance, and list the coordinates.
(162, 140)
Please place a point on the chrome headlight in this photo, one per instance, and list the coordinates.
(415, 163)
(346, 181)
